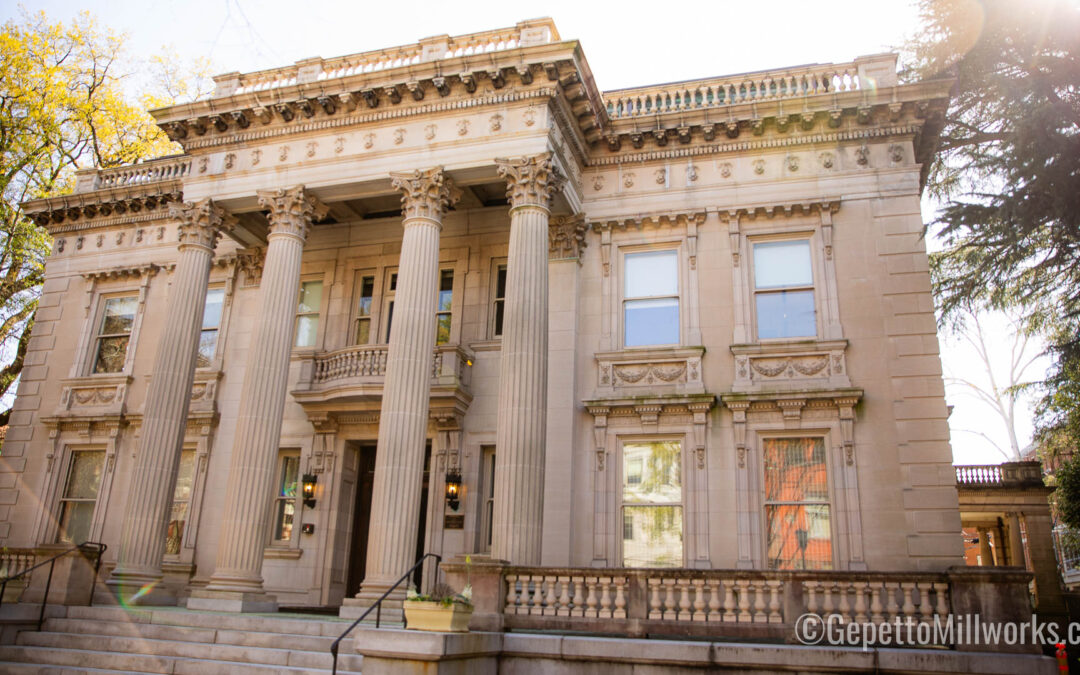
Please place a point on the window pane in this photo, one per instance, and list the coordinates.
(283, 523)
(795, 470)
(782, 263)
(442, 332)
(174, 534)
(367, 292)
(656, 535)
(799, 537)
(75, 521)
(307, 329)
(363, 331)
(119, 315)
(290, 472)
(652, 472)
(215, 300)
(651, 273)
(111, 354)
(652, 322)
(310, 297)
(500, 282)
(207, 347)
(446, 290)
(84, 476)
(499, 310)
(185, 475)
(786, 314)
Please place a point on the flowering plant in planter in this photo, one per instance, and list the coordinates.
(442, 610)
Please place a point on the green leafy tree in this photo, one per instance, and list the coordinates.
(64, 105)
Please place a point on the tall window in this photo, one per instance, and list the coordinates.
(80, 495)
(797, 522)
(388, 299)
(487, 490)
(446, 301)
(285, 501)
(498, 301)
(784, 289)
(307, 313)
(363, 310)
(211, 325)
(114, 332)
(652, 512)
(181, 505)
(651, 298)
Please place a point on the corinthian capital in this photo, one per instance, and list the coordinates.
(425, 193)
(292, 210)
(566, 237)
(201, 222)
(530, 180)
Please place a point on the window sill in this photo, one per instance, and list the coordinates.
(280, 553)
(492, 345)
(100, 394)
(667, 369)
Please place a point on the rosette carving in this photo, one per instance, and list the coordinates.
(292, 210)
(425, 193)
(530, 181)
(201, 223)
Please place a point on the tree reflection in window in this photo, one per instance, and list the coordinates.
(652, 508)
(797, 520)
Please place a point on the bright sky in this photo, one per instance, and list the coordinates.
(627, 44)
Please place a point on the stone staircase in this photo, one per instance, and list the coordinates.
(171, 641)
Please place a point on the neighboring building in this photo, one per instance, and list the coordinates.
(685, 325)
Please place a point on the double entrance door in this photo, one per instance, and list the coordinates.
(361, 520)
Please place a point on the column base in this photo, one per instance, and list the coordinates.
(140, 589)
(231, 601)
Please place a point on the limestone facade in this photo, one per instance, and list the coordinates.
(733, 269)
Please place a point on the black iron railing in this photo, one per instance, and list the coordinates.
(377, 607)
(87, 548)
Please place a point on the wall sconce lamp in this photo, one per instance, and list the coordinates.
(310, 481)
(453, 488)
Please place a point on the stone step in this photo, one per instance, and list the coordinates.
(188, 634)
(45, 669)
(52, 660)
(284, 653)
(263, 623)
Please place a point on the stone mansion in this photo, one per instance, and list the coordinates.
(452, 297)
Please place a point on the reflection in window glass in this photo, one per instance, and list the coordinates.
(307, 313)
(80, 495)
(652, 509)
(798, 526)
(185, 475)
(498, 303)
(285, 503)
(651, 298)
(446, 301)
(211, 324)
(363, 310)
(784, 290)
(117, 320)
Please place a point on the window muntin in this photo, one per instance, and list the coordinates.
(498, 301)
(307, 313)
(211, 325)
(784, 289)
(652, 511)
(114, 333)
(185, 476)
(651, 298)
(443, 316)
(285, 500)
(80, 495)
(364, 301)
(798, 525)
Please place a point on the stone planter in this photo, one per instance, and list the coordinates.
(422, 615)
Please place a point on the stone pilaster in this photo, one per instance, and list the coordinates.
(237, 584)
(153, 479)
(399, 459)
(520, 433)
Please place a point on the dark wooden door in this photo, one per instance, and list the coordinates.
(365, 485)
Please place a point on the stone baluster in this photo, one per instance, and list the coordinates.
(744, 600)
(590, 601)
(550, 606)
(605, 597)
(942, 591)
(236, 584)
(656, 611)
(759, 602)
(714, 601)
(699, 599)
(564, 598)
(844, 607)
(926, 610)
(892, 607)
(511, 594)
(671, 611)
(729, 601)
(620, 598)
(775, 615)
(536, 605)
(153, 478)
(579, 602)
(860, 602)
(908, 609)
(876, 615)
(811, 588)
(520, 427)
(403, 420)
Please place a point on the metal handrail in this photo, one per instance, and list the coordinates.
(94, 546)
(378, 606)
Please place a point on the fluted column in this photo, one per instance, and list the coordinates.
(399, 457)
(237, 584)
(153, 479)
(520, 434)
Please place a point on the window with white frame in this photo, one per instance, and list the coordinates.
(288, 486)
(307, 313)
(487, 492)
(798, 524)
(652, 504)
(211, 327)
(365, 290)
(181, 505)
(79, 497)
(498, 300)
(784, 289)
(651, 298)
(114, 333)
